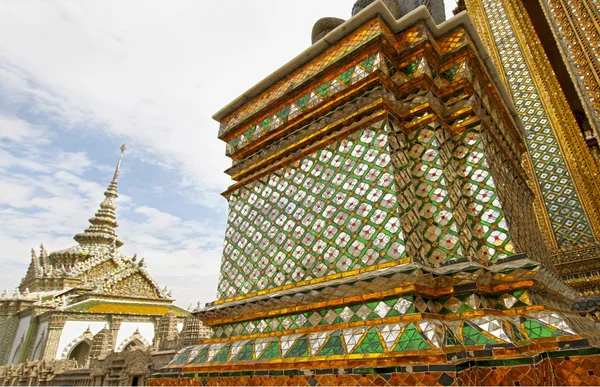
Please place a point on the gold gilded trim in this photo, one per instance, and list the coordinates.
(583, 169)
(575, 28)
(317, 280)
(478, 16)
(581, 166)
(413, 317)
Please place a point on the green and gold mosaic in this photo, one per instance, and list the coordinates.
(309, 100)
(351, 204)
(333, 211)
(396, 306)
(423, 335)
(563, 204)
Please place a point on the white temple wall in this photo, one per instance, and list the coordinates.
(22, 330)
(127, 329)
(179, 326)
(74, 329)
(38, 346)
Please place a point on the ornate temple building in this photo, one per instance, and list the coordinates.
(87, 307)
(414, 202)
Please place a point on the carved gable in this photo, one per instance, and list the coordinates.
(100, 270)
(136, 285)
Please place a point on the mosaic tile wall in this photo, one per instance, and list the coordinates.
(367, 199)
(568, 219)
(435, 201)
(339, 204)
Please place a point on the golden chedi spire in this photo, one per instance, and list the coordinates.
(104, 222)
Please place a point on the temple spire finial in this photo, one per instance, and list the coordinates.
(118, 169)
(104, 222)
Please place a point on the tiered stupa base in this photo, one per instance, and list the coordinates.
(464, 324)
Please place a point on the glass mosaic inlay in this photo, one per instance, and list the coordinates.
(567, 217)
(311, 99)
(422, 335)
(330, 212)
(397, 306)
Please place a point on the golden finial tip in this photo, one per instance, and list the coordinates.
(123, 148)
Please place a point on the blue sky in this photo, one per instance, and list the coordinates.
(79, 78)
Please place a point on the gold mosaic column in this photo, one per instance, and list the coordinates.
(576, 28)
(566, 174)
(485, 230)
(407, 201)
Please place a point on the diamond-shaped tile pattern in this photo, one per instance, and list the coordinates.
(392, 307)
(449, 188)
(432, 171)
(563, 204)
(333, 211)
(486, 233)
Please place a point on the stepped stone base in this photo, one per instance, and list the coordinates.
(572, 368)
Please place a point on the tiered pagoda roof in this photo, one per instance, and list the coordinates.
(94, 272)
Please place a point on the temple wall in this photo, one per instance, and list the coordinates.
(21, 333)
(42, 334)
(9, 326)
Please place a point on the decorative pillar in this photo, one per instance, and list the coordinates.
(114, 326)
(565, 175)
(432, 175)
(55, 327)
(155, 339)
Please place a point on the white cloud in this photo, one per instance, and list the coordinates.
(150, 72)
(7, 160)
(14, 195)
(13, 129)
